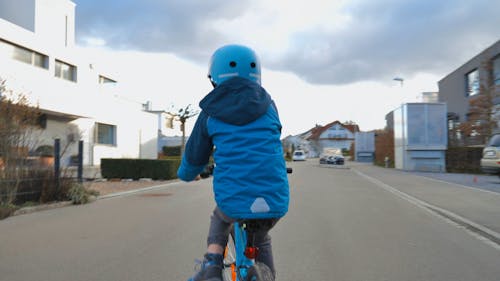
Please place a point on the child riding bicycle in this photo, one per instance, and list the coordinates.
(239, 124)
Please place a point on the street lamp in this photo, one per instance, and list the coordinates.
(399, 79)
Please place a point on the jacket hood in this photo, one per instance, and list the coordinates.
(237, 101)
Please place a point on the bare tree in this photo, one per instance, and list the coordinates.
(18, 121)
(182, 115)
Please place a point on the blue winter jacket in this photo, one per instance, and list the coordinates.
(240, 123)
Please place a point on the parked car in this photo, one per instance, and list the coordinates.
(336, 160)
(490, 163)
(323, 159)
(299, 155)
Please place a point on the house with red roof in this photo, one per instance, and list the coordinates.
(313, 141)
(333, 135)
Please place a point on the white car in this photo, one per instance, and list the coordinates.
(490, 163)
(299, 155)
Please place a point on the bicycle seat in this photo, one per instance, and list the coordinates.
(254, 225)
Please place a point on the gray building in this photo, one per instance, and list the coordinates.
(364, 146)
(420, 138)
(461, 85)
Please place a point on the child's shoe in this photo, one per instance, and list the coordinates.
(210, 268)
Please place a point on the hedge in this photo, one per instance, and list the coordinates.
(464, 159)
(139, 168)
(171, 150)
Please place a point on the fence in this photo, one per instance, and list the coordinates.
(464, 159)
(37, 189)
(23, 181)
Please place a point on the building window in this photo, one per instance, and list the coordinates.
(23, 54)
(472, 83)
(105, 80)
(496, 71)
(65, 71)
(105, 134)
(40, 60)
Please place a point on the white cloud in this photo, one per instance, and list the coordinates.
(302, 105)
(165, 80)
(323, 42)
(323, 60)
(94, 42)
(268, 25)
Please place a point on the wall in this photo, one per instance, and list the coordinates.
(83, 102)
(20, 12)
(452, 89)
(336, 136)
(364, 146)
(399, 136)
(55, 22)
(420, 136)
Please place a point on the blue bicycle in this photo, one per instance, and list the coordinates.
(240, 254)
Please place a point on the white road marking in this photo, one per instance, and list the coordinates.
(484, 234)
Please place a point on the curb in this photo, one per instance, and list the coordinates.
(44, 207)
(133, 191)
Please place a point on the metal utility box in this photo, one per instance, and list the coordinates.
(420, 137)
(364, 146)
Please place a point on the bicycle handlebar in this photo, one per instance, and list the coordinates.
(209, 170)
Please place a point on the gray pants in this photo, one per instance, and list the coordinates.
(220, 225)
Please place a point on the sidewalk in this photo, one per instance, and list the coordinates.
(105, 188)
(486, 182)
(471, 201)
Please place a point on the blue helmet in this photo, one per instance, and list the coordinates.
(234, 61)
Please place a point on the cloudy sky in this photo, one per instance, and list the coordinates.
(323, 60)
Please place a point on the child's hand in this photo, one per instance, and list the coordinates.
(198, 177)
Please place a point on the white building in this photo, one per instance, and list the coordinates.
(315, 140)
(333, 135)
(38, 58)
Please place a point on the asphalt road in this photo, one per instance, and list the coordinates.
(343, 224)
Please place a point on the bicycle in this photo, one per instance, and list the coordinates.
(241, 252)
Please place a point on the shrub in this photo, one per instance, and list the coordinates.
(6, 210)
(78, 194)
(464, 159)
(165, 157)
(384, 147)
(139, 168)
(171, 150)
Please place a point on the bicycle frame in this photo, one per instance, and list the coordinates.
(242, 263)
